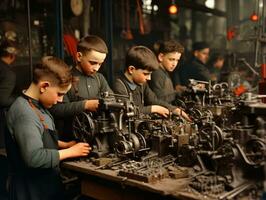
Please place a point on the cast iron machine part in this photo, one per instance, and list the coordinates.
(110, 129)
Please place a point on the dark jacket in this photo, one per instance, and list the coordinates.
(193, 69)
(143, 96)
(7, 93)
(88, 87)
(7, 85)
(162, 85)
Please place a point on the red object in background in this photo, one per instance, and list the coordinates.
(173, 9)
(230, 34)
(254, 17)
(262, 83)
(263, 71)
(70, 43)
(240, 90)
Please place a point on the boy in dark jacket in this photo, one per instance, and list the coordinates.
(84, 95)
(169, 54)
(196, 67)
(140, 62)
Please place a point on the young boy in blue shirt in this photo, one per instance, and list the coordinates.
(33, 149)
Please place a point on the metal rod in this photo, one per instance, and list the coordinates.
(249, 66)
(235, 191)
(59, 29)
(108, 10)
(29, 38)
(239, 191)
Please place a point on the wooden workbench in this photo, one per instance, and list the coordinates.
(107, 185)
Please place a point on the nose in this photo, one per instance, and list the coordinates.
(96, 67)
(148, 77)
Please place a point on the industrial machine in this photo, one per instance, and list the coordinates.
(222, 152)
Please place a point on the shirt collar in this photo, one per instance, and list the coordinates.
(130, 84)
(34, 101)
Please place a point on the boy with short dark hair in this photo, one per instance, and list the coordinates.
(140, 62)
(31, 141)
(84, 95)
(168, 55)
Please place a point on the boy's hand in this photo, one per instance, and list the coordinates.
(160, 110)
(71, 143)
(180, 88)
(92, 105)
(182, 114)
(80, 149)
(64, 145)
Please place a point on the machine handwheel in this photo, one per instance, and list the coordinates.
(254, 150)
(83, 127)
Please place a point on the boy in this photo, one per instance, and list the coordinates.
(140, 62)
(169, 53)
(215, 65)
(8, 89)
(31, 140)
(196, 67)
(8, 52)
(91, 53)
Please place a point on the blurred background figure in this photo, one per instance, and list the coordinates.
(215, 65)
(196, 67)
(8, 52)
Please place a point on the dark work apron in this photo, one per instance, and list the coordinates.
(33, 183)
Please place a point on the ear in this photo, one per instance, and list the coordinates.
(78, 56)
(43, 85)
(160, 57)
(131, 69)
(195, 53)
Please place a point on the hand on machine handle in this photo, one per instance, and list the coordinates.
(182, 114)
(92, 105)
(160, 110)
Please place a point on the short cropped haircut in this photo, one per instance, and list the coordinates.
(198, 46)
(170, 46)
(54, 70)
(92, 42)
(141, 57)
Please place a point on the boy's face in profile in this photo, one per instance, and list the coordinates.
(91, 62)
(219, 64)
(139, 76)
(169, 60)
(202, 55)
(50, 94)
